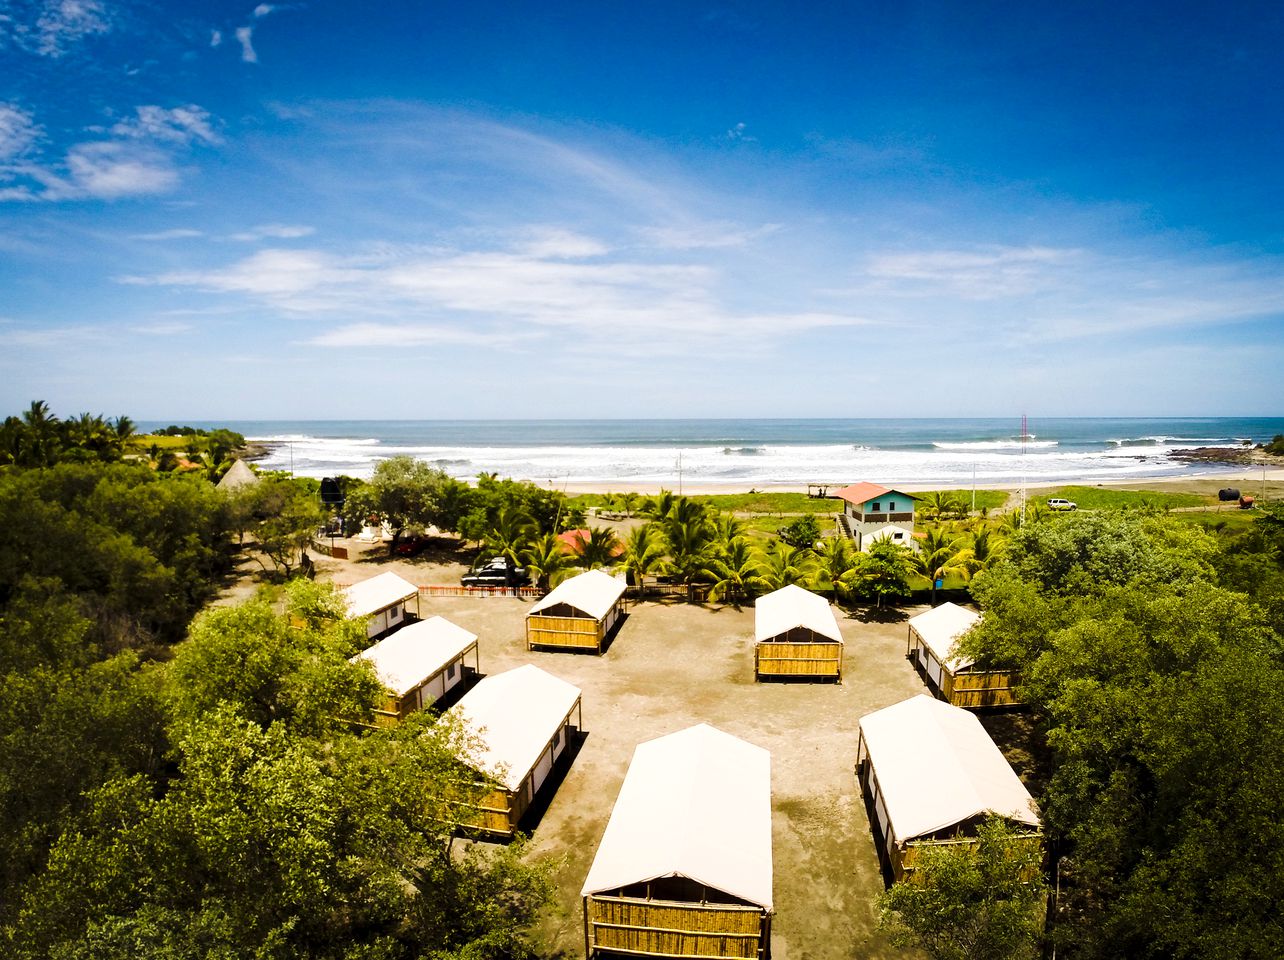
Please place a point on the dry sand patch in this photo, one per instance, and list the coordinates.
(672, 665)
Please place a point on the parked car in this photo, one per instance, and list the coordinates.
(496, 572)
(1060, 503)
(411, 545)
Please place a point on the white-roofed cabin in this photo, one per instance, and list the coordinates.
(684, 868)
(578, 614)
(932, 639)
(382, 601)
(930, 775)
(420, 664)
(523, 719)
(796, 635)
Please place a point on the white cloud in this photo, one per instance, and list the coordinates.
(18, 132)
(412, 335)
(706, 236)
(245, 36)
(162, 328)
(216, 38)
(181, 125)
(59, 25)
(262, 10)
(739, 132)
(141, 158)
(982, 274)
(179, 233)
(110, 170)
(560, 282)
(272, 231)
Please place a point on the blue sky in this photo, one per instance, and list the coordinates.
(407, 210)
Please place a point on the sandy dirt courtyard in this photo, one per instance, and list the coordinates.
(671, 665)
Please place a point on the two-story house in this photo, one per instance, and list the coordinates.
(872, 512)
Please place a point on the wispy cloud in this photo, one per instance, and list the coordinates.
(740, 132)
(245, 36)
(162, 328)
(216, 38)
(140, 158)
(982, 274)
(263, 9)
(178, 233)
(272, 231)
(180, 125)
(558, 285)
(18, 131)
(51, 28)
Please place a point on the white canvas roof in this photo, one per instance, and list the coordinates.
(936, 766)
(694, 804)
(416, 652)
(593, 592)
(941, 627)
(378, 593)
(792, 606)
(515, 714)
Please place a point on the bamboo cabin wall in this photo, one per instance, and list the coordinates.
(499, 811)
(393, 709)
(667, 928)
(967, 687)
(559, 626)
(790, 657)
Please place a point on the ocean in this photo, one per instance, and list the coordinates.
(759, 452)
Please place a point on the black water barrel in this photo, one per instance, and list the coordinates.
(331, 495)
(1227, 494)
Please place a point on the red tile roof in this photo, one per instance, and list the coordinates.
(859, 493)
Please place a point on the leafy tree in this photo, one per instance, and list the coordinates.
(512, 533)
(288, 514)
(403, 492)
(981, 901)
(802, 533)
(249, 660)
(881, 573)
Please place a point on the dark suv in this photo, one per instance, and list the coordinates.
(497, 572)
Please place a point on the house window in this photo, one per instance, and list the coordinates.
(900, 536)
(891, 504)
(878, 505)
(450, 672)
(557, 738)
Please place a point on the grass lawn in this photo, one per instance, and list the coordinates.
(985, 499)
(1110, 498)
(146, 440)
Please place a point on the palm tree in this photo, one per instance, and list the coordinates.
(688, 534)
(727, 527)
(628, 501)
(643, 554)
(659, 506)
(40, 441)
(836, 557)
(783, 565)
(942, 503)
(983, 550)
(598, 549)
(734, 568)
(938, 555)
(511, 532)
(547, 560)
